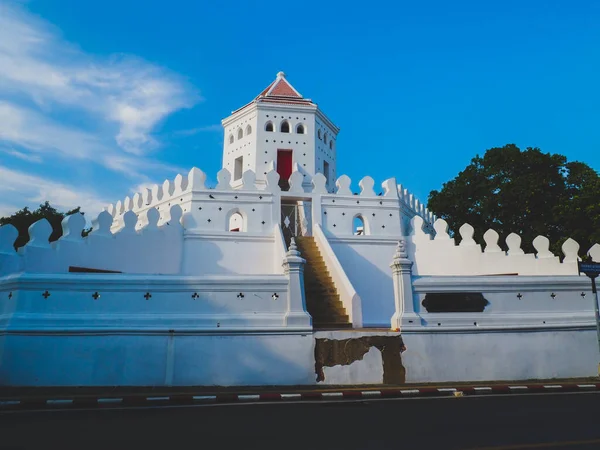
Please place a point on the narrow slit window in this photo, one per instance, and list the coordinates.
(238, 168)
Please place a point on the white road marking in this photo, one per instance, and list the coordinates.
(204, 397)
(110, 400)
(265, 404)
(332, 394)
(248, 397)
(291, 396)
(10, 402)
(410, 391)
(371, 393)
(158, 399)
(59, 402)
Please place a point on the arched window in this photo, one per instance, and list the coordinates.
(325, 138)
(269, 126)
(358, 225)
(300, 129)
(285, 126)
(331, 145)
(231, 138)
(248, 130)
(236, 222)
(240, 133)
(319, 134)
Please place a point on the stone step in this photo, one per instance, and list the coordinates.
(322, 299)
(327, 308)
(322, 294)
(322, 275)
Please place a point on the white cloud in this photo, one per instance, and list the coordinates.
(118, 102)
(217, 128)
(123, 91)
(32, 190)
(37, 133)
(23, 156)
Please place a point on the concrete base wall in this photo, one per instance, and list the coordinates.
(157, 360)
(343, 357)
(506, 355)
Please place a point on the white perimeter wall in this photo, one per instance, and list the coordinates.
(229, 253)
(505, 355)
(157, 360)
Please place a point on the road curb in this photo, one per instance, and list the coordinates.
(103, 402)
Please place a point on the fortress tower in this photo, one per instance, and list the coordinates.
(281, 130)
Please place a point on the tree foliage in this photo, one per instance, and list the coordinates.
(24, 218)
(526, 192)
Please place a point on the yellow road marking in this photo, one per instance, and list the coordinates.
(538, 445)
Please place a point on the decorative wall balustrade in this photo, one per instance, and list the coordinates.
(384, 214)
(440, 255)
(150, 249)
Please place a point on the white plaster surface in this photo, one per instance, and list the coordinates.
(506, 355)
(366, 262)
(144, 360)
(440, 255)
(368, 370)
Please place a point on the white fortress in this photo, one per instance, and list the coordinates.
(285, 273)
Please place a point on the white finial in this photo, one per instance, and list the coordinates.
(293, 249)
(280, 74)
(401, 250)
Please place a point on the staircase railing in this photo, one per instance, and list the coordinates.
(348, 295)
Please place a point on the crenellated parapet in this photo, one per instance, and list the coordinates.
(440, 255)
(411, 206)
(205, 209)
(365, 213)
(149, 248)
(386, 212)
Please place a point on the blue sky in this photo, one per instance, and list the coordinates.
(98, 99)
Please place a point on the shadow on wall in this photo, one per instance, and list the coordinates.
(238, 360)
(204, 258)
(373, 284)
(152, 359)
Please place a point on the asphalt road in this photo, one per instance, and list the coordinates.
(516, 422)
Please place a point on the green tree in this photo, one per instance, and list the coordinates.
(24, 218)
(526, 192)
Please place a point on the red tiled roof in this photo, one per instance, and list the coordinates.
(280, 91)
(282, 88)
(263, 93)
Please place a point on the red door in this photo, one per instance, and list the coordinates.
(284, 167)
